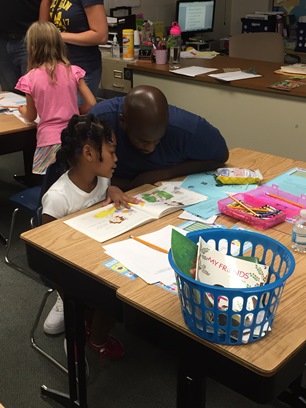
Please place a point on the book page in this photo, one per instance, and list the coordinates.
(184, 253)
(217, 268)
(166, 199)
(108, 222)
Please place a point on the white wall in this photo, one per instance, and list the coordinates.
(154, 10)
(241, 7)
(227, 17)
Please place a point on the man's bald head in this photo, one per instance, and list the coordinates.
(145, 117)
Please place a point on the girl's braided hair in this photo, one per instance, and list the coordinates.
(81, 130)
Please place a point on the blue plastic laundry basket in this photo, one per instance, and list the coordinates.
(231, 326)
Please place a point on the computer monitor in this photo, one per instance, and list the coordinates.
(195, 17)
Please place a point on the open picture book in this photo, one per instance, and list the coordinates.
(108, 222)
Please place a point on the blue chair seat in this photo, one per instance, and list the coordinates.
(28, 199)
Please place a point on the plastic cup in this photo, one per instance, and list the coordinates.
(161, 56)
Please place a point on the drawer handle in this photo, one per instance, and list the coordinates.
(118, 86)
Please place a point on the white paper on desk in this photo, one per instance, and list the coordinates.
(234, 76)
(149, 264)
(193, 71)
(20, 117)
(11, 99)
(188, 216)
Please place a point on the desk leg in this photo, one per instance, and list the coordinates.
(191, 383)
(295, 395)
(75, 337)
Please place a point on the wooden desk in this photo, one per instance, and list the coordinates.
(75, 263)
(267, 366)
(16, 136)
(247, 112)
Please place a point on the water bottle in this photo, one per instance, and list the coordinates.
(174, 46)
(299, 233)
(115, 48)
(136, 44)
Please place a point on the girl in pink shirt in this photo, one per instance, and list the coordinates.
(51, 87)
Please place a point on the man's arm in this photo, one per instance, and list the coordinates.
(182, 169)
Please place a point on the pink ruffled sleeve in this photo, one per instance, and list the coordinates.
(77, 72)
(23, 85)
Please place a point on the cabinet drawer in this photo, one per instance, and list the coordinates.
(115, 75)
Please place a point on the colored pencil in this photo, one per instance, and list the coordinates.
(285, 200)
(148, 244)
(243, 205)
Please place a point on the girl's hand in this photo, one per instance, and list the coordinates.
(194, 269)
(22, 109)
(119, 198)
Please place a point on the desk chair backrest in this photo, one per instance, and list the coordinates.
(53, 173)
(263, 46)
(29, 200)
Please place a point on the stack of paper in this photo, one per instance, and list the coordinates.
(234, 76)
(193, 53)
(10, 101)
(149, 264)
(294, 69)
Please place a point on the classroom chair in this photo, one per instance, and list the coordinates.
(262, 46)
(29, 201)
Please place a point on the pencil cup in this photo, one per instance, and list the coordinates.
(250, 312)
(161, 56)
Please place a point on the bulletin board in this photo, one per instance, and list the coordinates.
(296, 7)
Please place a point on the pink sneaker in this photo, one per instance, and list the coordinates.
(112, 348)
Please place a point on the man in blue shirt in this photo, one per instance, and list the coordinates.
(157, 141)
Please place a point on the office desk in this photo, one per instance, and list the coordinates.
(16, 136)
(74, 262)
(247, 112)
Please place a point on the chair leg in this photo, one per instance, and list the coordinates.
(32, 333)
(3, 239)
(9, 243)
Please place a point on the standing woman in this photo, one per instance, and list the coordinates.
(83, 26)
(15, 18)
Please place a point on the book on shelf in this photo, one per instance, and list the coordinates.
(108, 222)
